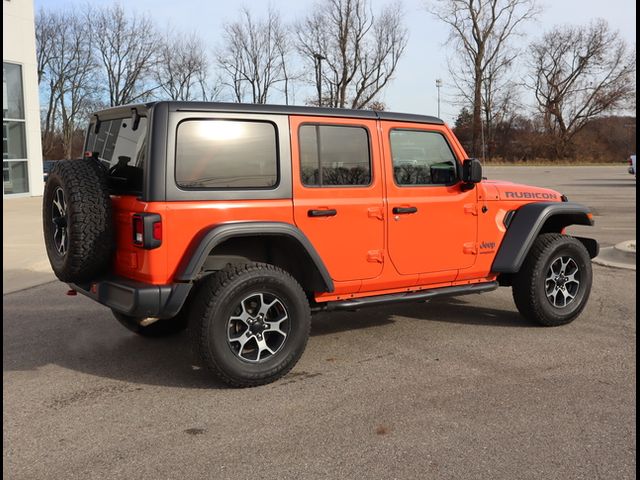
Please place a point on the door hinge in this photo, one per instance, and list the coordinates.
(471, 208)
(470, 248)
(375, 256)
(375, 212)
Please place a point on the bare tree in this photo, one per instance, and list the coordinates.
(126, 47)
(45, 26)
(499, 99)
(579, 73)
(353, 53)
(68, 66)
(46, 29)
(182, 70)
(254, 57)
(480, 30)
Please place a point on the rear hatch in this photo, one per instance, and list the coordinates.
(119, 143)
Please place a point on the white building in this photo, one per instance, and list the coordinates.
(21, 147)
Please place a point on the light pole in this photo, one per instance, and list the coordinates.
(438, 85)
(319, 57)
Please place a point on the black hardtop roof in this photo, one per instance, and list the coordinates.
(274, 109)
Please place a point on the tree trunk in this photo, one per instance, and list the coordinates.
(476, 122)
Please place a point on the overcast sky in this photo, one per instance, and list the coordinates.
(413, 88)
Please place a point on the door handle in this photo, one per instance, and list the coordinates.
(399, 210)
(330, 212)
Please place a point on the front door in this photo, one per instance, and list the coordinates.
(432, 219)
(337, 193)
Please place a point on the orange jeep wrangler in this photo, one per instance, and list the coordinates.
(238, 221)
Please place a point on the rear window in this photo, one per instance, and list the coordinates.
(122, 150)
(226, 154)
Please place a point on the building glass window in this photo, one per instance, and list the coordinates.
(14, 145)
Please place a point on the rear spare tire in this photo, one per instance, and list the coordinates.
(77, 220)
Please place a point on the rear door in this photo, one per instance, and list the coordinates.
(337, 192)
(432, 220)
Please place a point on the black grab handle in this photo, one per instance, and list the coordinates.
(398, 210)
(322, 213)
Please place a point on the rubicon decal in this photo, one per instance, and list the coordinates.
(536, 195)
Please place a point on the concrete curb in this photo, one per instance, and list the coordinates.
(622, 255)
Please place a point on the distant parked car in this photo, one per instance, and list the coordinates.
(632, 164)
(47, 166)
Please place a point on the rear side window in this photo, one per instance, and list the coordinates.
(226, 154)
(122, 150)
(334, 156)
(422, 158)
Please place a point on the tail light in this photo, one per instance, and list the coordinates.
(147, 230)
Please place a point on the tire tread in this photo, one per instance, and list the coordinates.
(527, 300)
(207, 299)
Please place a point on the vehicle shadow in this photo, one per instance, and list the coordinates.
(93, 343)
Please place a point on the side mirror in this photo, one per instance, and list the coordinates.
(471, 171)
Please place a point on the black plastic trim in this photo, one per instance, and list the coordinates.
(404, 210)
(279, 109)
(209, 238)
(591, 245)
(356, 303)
(136, 299)
(331, 212)
(155, 188)
(508, 217)
(296, 110)
(527, 224)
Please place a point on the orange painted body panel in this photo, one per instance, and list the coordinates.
(351, 243)
(431, 241)
(149, 266)
(451, 240)
(181, 224)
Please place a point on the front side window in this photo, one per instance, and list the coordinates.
(226, 154)
(422, 158)
(334, 156)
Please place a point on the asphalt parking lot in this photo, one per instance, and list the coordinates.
(453, 389)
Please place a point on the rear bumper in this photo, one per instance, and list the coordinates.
(135, 298)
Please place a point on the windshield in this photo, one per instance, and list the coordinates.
(122, 150)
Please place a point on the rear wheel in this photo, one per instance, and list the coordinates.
(250, 324)
(554, 283)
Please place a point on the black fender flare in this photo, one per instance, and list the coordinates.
(210, 237)
(528, 222)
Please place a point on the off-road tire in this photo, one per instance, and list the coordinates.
(88, 220)
(160, 328)
(213, 306)
(529, 291)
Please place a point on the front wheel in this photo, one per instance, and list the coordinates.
(554, 283)
(250, 324)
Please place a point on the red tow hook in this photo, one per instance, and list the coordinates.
(72, 292)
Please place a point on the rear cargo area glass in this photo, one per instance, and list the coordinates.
(122, 150)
